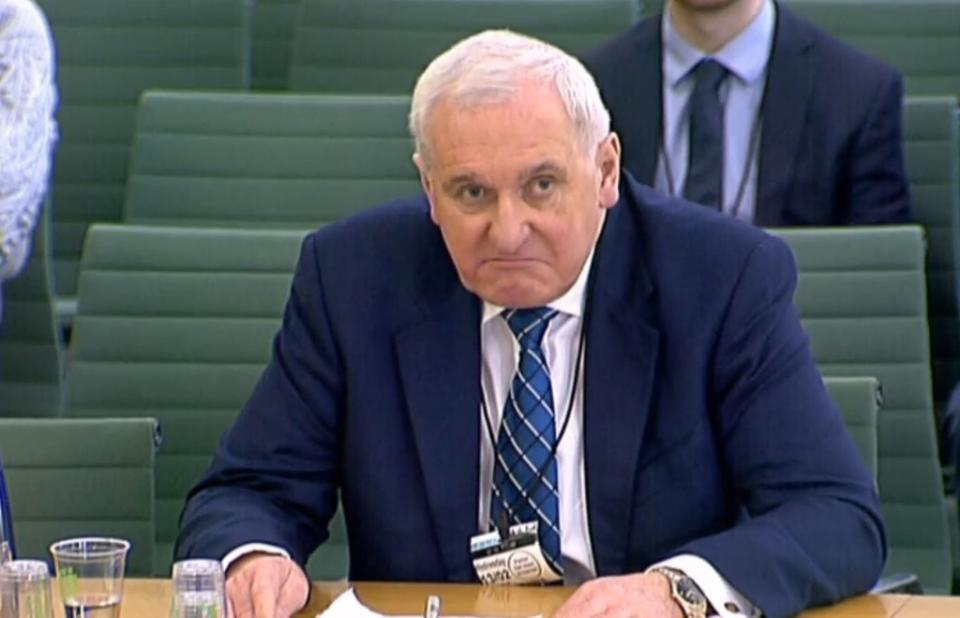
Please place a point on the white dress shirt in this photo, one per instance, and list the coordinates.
(28, 130)
(500, 354)
(746, 58)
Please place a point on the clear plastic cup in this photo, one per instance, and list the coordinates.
(198, 590)
(25, 590)
(90, 571)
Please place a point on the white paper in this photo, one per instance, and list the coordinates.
(347, 605)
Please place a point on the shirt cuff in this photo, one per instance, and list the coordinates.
(726, 601)
(249, 548)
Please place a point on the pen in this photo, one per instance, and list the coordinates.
(432, 609)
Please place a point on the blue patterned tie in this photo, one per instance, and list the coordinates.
(525, 471)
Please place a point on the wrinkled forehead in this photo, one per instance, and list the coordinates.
(455, 116)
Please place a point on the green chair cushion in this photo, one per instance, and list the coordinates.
(81, 477)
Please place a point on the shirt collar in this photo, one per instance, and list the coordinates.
(570, 303)
(739, 56)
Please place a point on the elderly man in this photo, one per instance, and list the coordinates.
(541, 353)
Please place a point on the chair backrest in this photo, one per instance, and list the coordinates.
(331, 561)
(273, 23)
(176, 324)
(31, 364)
(921, 38)
(266, 160)
(6, 520)
(862, 298)
(859, 401)
(380, 46)
(69, 477)
(933, 165)
(109, 51)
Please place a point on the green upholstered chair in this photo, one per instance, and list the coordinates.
(933, 165)
(81, 477)
(176, 324)
(266, 160)
(380, 46)
(651, 7)
(109, 51)
(273, 23)
(331, 560)
(31, 366)
(862, 298)
(921, 38)
(859, 401)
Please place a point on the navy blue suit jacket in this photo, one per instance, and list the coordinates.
(707, 428)
(831, 148)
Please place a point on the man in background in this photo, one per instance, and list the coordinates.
(28, 130)
(540, 342)
(744, 107)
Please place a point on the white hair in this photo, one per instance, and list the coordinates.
(487, 68)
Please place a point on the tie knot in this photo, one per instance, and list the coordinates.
(529, 325)
(709, 74)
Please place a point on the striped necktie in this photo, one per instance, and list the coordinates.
(525, 470)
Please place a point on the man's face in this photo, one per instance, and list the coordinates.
(518, 201)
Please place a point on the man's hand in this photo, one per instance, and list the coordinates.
(644, 595)
(263, 585)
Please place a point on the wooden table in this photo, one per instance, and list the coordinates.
(150, 598)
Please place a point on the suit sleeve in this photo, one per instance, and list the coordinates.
(812, 532)
(879, 190)
(274, 477)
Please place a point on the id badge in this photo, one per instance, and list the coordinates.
(515, 560)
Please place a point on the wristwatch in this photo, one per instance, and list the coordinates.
(685, 592)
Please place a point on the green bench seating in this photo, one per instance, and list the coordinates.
(266, 160)
(108, 52)
(933, 165)
(921, 38)
(176, 324)
(381, 46)
(273, 23)
(862, 298)
(859, 400)
(81, 477)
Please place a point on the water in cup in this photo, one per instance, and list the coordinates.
(90, 571)
(92, 607)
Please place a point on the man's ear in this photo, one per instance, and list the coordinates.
(608, 161)
(425, 183)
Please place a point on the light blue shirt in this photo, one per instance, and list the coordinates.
(746, 58)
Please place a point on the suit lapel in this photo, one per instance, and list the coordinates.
(621, 357)
(785, 104)
(439, 358)
(636, 102)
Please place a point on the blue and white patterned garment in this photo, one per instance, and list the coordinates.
(28, 130)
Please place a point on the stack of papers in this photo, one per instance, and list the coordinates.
(347, 605)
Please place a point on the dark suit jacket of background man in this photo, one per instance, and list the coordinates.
(702, 403)
(831, 144)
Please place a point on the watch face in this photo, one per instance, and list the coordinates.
(689, 592)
